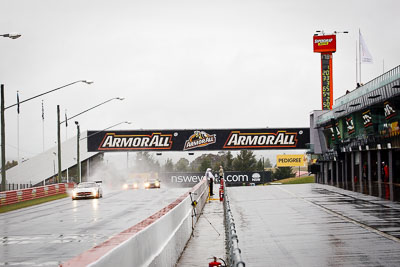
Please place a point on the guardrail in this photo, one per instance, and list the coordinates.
(13, 186)
(16, 196)
(370, 86)
(232, 241)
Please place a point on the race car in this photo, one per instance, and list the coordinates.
(152, 183)
(130, 184)
(87, 190)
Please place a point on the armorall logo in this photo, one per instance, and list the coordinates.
(112, 141)
(199, 139)
(261, 140)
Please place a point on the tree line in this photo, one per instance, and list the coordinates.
(244, 161)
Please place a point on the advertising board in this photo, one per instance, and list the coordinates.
(324, 43)
(290, 160)
(189, 179)
(198, 139)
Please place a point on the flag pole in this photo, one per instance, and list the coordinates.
(383, 66)
(43, 125)
(356, 62)
(359, 52)
(18, 127)
(66, 126)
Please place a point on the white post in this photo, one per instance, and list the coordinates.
(88, 169)
(18, 161)
(359, 52)
(43, 125)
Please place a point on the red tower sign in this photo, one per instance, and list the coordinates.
(326, 45)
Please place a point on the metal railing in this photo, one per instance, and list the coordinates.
(13, 186)
(370, 86)
(380, 81)
(232, 241)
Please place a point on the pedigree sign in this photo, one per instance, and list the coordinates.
(290, 160)
(324, 43)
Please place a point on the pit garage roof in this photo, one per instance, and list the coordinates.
(376, 91)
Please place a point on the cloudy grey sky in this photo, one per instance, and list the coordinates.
(181, 64)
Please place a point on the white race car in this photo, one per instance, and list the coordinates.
(131, 184)
(87, 190)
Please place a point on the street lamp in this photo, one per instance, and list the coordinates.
(59, 123)
(13, 35)
(58, 88)
(78, 146)
(3, 138)
(3, 108)
(127, 122)
(102, 103)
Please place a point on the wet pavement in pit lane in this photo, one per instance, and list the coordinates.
(208, 237)
(53, 232)
(315, 225)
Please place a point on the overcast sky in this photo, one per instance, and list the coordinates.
(181, 64)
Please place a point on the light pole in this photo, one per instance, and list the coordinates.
(102, 103)
(78, 139)
(3, 147)
(3, 138)
(78, 161)
(3, 108)
(127, 122)
(59, 131)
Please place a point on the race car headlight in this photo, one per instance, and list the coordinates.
(146, 185)
(157, 184)
(125, 186)
(73, 193)
(94, 192)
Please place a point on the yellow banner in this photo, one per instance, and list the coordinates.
(290, 160)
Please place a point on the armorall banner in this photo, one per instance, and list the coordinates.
(198, 139)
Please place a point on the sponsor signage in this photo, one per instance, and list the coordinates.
(367, 118)
(290, 160)
(324, 43)
(198, 139)
(189, 179)
(243, 178)
(389, 110)
(181, 179)
(350, 125)
(337, 131)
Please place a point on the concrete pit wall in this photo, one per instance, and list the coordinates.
(158, 240)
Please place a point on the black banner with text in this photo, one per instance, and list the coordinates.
(189, 179)
(192, 140)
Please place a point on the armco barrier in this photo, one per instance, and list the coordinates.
(158, 240)
(232, 241)
(16, 196)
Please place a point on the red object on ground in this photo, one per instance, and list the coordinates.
(214, 263)
(221, 189)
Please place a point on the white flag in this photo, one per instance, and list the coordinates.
(365, 55)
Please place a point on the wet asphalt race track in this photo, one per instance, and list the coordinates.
(53, 232)
(314, 225)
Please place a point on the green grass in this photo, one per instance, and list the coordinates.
(32, 202)
(297, 180)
